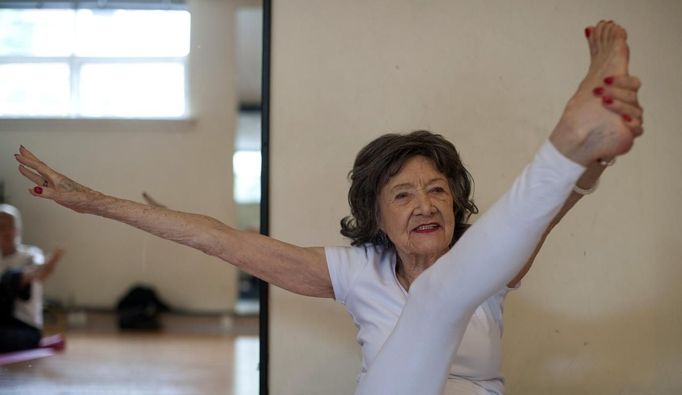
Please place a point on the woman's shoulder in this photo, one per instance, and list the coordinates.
(356, 269)
(367, 253)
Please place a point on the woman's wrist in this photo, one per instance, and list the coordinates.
(589, 180)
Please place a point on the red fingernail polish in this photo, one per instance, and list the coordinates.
(627, 118)
(588, 32)
(38, 190)
(607, 99)
(598, 91)
(608, 80)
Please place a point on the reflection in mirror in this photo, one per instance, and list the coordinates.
(150, 103)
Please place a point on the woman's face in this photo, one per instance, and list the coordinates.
(416, 210)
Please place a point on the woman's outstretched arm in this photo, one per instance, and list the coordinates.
(300, 270)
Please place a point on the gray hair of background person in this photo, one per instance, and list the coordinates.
(383, 158)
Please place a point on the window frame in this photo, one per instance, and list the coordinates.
(75, 63)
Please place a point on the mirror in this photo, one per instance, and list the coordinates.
(209, 340)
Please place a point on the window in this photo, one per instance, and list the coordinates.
(246, 165)
(128, 63)
(246, 161)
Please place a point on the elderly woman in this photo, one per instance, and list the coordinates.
(414, 277)
(452, 281)
(22, 270)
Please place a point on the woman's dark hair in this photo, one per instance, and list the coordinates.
(382, 159)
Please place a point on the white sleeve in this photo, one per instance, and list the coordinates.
(36, 254)
(417, 355)
(345, 263)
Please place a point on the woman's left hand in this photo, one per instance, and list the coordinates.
(619, 95)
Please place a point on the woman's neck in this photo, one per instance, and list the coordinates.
(407, 270)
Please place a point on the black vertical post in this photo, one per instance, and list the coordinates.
(264, 331)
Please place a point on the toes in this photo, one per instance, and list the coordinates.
(619, 32)
(602, 34)
(607, 35)
(597, 34)
(609, 49)
(589, 34)
(608, 31)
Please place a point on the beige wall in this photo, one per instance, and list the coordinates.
(185, 165)
(599, 314)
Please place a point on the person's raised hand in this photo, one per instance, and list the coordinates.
(48, 267)
(52, 185)
(619, 94)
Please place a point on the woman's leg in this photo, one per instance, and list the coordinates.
(416, 357)
(16, 336)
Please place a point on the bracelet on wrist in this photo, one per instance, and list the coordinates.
(607, 163)
(583, 191)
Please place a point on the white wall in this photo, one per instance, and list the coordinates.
(187, 166)
(599, 314)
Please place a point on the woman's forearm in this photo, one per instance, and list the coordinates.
(194, 230)
(300, 270)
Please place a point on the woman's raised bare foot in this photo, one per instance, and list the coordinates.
(587, 130)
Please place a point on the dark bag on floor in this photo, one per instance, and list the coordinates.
(139, 309)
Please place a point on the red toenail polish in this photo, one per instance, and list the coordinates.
(608, 80)
(38, 190)
(598, 91)
(627, 118)
(588, 32)
(607, 99)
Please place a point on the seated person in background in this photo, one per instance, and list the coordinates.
(22, 270)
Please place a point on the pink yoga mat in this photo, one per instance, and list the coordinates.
(26, 355)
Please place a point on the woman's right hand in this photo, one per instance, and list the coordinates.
(53, 185)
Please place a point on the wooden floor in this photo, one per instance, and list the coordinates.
(191, 356)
